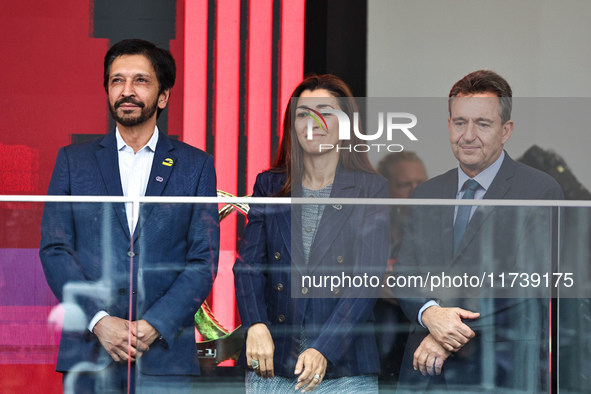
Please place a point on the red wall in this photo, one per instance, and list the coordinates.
(51, 88)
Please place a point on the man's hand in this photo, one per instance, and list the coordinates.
(113, 334)
(446, 326)
(144, 332)
(429, 356)
(260, 347)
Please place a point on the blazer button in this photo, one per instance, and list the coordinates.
(130, 254)
(122, 291)
(281, 319)
(277, 255)
(304, 290)
(336, 291)
(340, 259)
(279, 287)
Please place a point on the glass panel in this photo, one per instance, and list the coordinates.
(529, 336)
(189, 326)
(574, 307)
(30, 318)
(76, 254)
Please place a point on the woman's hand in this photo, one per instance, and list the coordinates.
(260, 347)
(313, 363)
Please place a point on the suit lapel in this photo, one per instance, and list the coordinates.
(333, 217)
(295, 240)
(284, 218)
(447, 218)
(497, 190)
(162, 166)
(164, 162)
(108, 162)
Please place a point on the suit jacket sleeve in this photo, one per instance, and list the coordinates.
(193, 285)
(57, 250)
(249, 277)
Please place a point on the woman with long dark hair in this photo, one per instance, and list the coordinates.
(300, 335)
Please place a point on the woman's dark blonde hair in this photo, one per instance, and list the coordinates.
(290, 161)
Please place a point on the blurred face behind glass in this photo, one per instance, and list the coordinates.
(404, 177)
(328, 134)
(476, 131)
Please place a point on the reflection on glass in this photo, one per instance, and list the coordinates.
(574, 307)
(511, 351)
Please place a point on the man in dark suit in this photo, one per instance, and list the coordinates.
(452, 334)
(131, 278)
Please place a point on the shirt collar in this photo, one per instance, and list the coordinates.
(485, 178)
(151, 144)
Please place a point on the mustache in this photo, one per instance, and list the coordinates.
(128, 100)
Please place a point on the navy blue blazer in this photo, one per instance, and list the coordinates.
(87, 252)
(497, 239)
(268, 274)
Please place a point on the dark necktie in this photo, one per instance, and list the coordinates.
(463, 215)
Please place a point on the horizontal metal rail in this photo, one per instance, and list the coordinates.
(295, 201)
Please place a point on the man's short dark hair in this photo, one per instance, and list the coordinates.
(392, 159)
(161, 59)
(485, 81)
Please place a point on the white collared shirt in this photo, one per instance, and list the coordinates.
(134, 171)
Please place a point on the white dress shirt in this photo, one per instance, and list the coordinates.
(134, 170)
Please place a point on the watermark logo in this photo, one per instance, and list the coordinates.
(392, 124)
(317, 118)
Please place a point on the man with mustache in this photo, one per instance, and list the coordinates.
(130, 277)
(446, 337)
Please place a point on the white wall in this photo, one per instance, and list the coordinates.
(420, 48)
